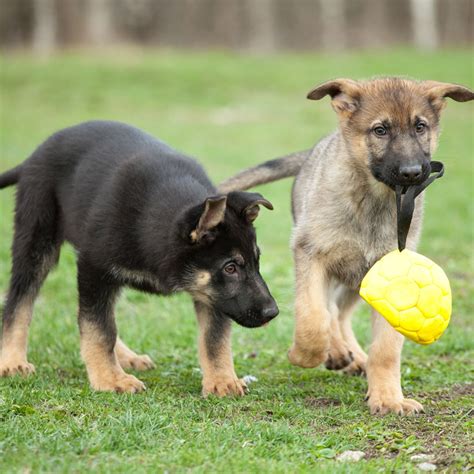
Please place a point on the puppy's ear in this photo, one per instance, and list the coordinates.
(345, 95)
(247, 204)
(438, 91)
(212, 214)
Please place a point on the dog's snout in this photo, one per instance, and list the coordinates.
(270, 311)
(410, 173)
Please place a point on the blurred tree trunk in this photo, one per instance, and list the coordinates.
(423, 22)
(258, 25)
(44, 26)
(333, 24)
(262, 35)
(456, 21)
(99, 22)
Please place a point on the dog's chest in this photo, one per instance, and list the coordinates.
(352, 238)
(138, 279)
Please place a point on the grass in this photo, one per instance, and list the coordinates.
(230, 111)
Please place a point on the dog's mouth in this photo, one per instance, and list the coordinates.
(248, 322)
(392, 179)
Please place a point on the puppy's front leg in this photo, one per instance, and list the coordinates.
(215, 354)
(312, 317)
(99, 333)
(383, 371)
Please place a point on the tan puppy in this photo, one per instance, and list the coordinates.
(345, 219)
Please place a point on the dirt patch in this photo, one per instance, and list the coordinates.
(465, 389)
(313, 402)
(451, 393)
(442, 433)
(446, 444)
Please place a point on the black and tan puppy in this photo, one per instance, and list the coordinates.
(345, 218)
(142, 215)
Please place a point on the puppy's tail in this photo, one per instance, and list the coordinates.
(10, 177)
(267, 172)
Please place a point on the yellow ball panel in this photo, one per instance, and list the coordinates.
(442, 328)
(402, 293)
(420, 275)
(387, 311)
(373, 286)
(445, 308)
(412, 319)
(410, 334)
(440, 280)
(394, 265)
(418, 258)
(429, 301)
(426, 342)
(431, 328)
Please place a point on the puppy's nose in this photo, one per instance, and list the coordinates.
(410, 172)
(270, 311)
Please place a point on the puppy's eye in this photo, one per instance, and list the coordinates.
(380, 131)
(420, 127)
(230, 268)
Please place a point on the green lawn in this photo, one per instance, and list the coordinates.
(230, 111)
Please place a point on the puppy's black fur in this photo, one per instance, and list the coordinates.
(138, 214)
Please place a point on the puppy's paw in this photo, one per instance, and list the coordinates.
(224, 386)
(136, 362)
(357, 366)
(9, 367)
(119, 383)
(306, 358)
(382, 405)
(338, 359)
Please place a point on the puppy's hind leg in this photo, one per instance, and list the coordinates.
(16, 321)
(348, 301)
(35, 251)
(129, 359)
(340, 355)
(215, 354)
(99, 334)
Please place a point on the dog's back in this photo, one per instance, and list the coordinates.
(95, 169)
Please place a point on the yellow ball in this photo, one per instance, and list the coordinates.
(411, 292)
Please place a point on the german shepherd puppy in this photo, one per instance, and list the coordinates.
(345, 219)
(142, 215)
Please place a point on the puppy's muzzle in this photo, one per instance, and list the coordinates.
(269, 312)
(410, 173)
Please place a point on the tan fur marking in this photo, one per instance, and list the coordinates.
(105, 373)
(15, 342)
(383, 371)
(203, 278)
(200, 288)
(219, 377)
(129, 359)
(311, 341)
